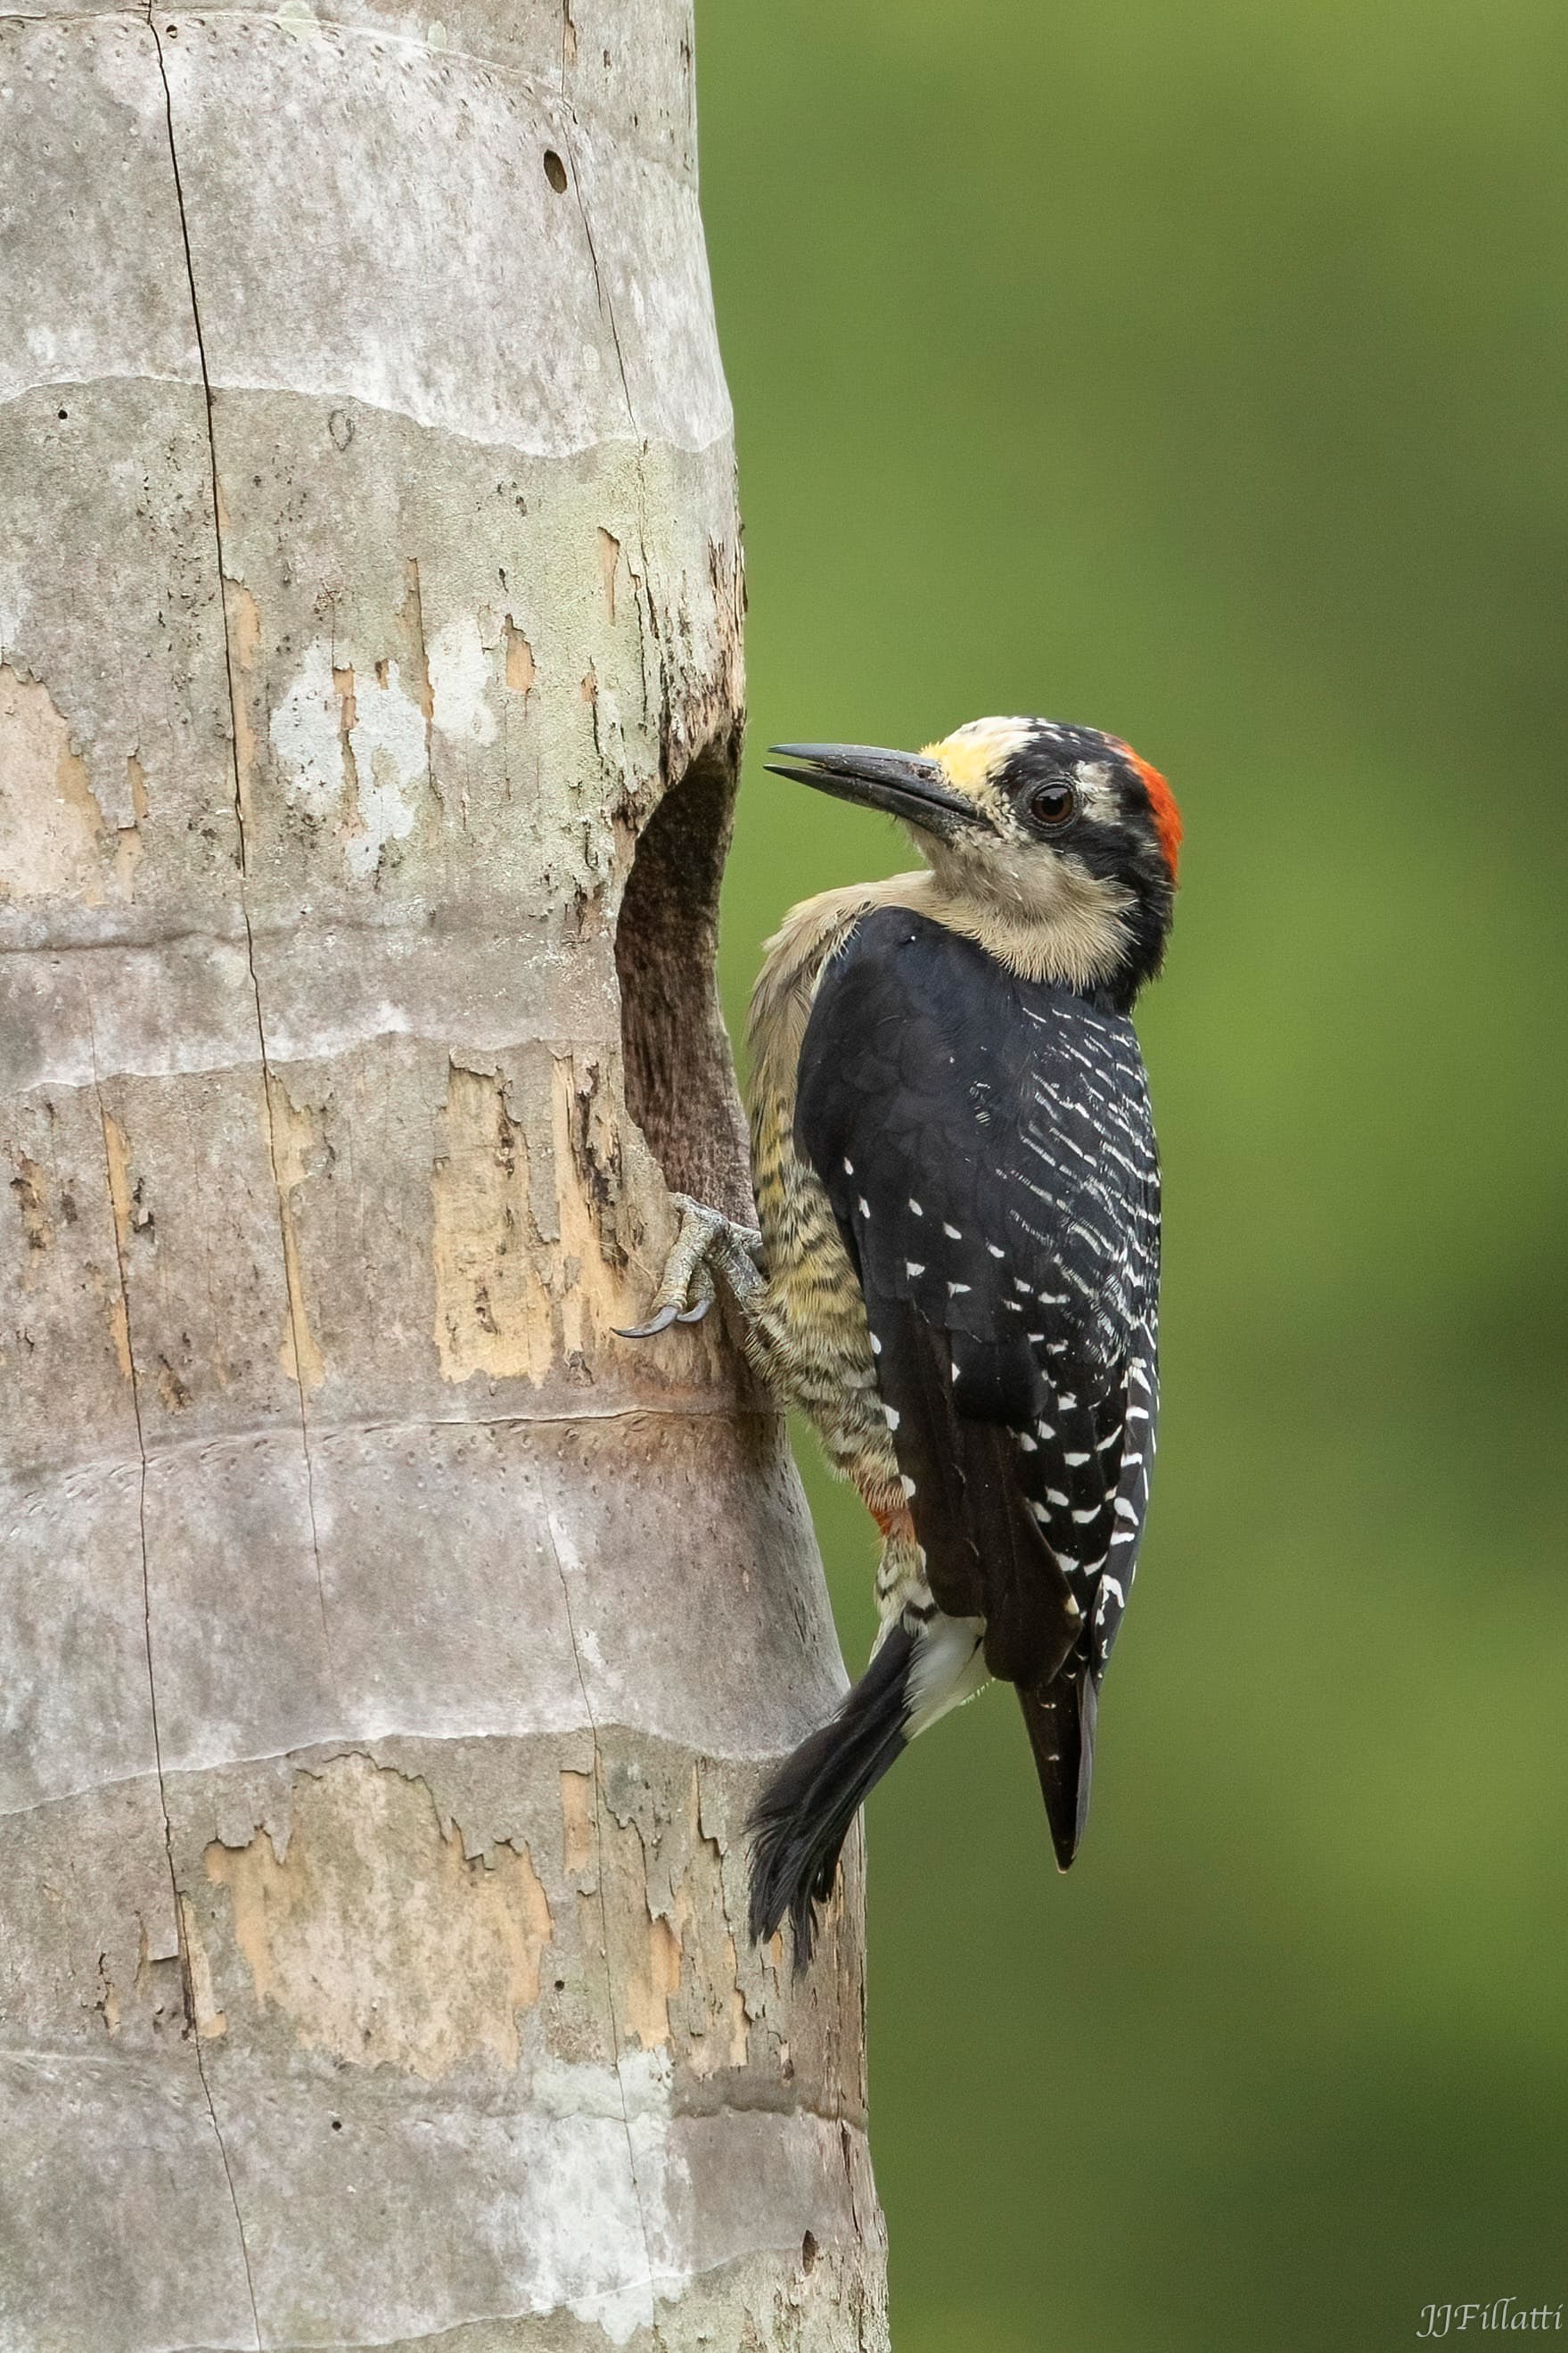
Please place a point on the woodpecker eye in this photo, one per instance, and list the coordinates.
(1053, 804)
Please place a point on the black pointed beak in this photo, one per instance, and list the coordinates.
(900, 783)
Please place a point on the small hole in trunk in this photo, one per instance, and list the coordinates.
(679, 1082)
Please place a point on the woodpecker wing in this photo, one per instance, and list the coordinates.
(986, 1145)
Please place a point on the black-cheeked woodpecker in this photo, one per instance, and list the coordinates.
(956, 1273)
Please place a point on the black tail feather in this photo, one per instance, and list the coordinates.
(1060, 1718)
(802, 1819)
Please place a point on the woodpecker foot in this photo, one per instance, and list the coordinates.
(707, 1244)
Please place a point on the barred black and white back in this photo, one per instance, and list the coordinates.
(986, 1145)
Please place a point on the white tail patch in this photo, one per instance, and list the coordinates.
(948, 1667)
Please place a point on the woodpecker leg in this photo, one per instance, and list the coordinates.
(707, 1244)
(900, 1570)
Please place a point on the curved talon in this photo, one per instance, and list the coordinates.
(686, 1290)
(659, 1323)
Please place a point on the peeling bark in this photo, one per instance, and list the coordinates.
(390, 1652)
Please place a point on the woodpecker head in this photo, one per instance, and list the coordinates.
(1055, 847)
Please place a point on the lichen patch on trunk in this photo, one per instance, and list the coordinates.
(459, 682)
(352, 749)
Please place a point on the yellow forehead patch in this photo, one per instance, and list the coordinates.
(971, 756)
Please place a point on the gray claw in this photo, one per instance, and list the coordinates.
(686, 1271)
(659, 1323)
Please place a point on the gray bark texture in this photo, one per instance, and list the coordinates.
(390, 1653)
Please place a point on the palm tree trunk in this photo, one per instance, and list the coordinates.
(389, 1651)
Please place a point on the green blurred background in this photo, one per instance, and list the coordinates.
(1195, 372)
